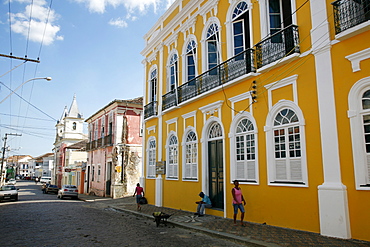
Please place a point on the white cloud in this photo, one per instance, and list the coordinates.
(37, 29)
(142, 6)
(118, 22)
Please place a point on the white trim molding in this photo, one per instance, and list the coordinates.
(357, 57)
(291, 80)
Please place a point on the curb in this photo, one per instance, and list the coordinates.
(217, 234)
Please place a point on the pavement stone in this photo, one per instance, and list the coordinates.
(252, 233)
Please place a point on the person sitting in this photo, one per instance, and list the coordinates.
(204, 203)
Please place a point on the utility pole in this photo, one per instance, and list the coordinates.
(20, 58)
(2, 160)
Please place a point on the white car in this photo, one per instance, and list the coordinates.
(45, 180)
(11, 181)
(8, 192)
(68, 191)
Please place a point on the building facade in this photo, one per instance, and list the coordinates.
(69, 131)
(19, 165)
(273, 93)
(114, 149)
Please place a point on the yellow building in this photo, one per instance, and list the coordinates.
(273, 93)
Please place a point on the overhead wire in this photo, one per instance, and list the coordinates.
(30, 103)
(38, 58)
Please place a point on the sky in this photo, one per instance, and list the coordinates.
(90, 48)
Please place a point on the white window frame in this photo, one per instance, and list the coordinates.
(172, 63)
(210, 22)
(355, 115)
(172, 153)
(151, 157)
(265, 21)
(249, 165)
(186, 54)
(270, 148)
(153, 84)
(230, 26)
(190, 169)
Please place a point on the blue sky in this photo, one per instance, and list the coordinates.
(90, 48)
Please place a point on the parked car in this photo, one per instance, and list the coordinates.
(51, 188)
(8, 192)
(11, 181)
(68, 191)
(45, 180)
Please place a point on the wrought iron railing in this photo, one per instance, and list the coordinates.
(169, 100)
(100, 142)
(150, 109)
(350, 13)
(108, 140)
(104, 141)
(277, 46)
(227, 71)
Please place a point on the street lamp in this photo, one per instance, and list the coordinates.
(13, 91)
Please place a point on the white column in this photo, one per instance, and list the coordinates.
(144, 147)
(161, 81)
(159, 191)
(333, 203)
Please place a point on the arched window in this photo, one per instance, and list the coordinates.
(74, 126)
(191, 157)
(190, 60)
(151, 158)
(359, 115)
(240, 27)
(153, 86)
(172, 157)
(215, 131)
(287, 147)
(212, 46)
(173, 72)
(245, 152)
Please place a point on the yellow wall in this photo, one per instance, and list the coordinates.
(284, 206)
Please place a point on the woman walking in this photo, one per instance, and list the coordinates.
(238, 200)
(139, 191)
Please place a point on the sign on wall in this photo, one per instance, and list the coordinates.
(160, 168)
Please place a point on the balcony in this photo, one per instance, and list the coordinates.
(150, 109)
(227, 71)
(277, 46)
(102, 142)
(350, 13)
(108, 140)
(169, 100)
(272, 49)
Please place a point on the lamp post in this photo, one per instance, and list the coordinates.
(13, 91)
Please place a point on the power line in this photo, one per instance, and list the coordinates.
(29, 102)
(33, 118)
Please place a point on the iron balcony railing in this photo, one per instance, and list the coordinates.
(277, 46)
(102, 142)
(169, 100)
(108, 140)
(350, 13)
(225, 72)
(150, 109)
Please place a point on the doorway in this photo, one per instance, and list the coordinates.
(215, 166)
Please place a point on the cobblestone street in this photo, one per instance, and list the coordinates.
(43, 220)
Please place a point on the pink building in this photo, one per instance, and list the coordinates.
(114, 149)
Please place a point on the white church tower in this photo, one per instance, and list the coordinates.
(69, 130)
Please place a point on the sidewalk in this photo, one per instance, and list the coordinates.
(253, 234)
